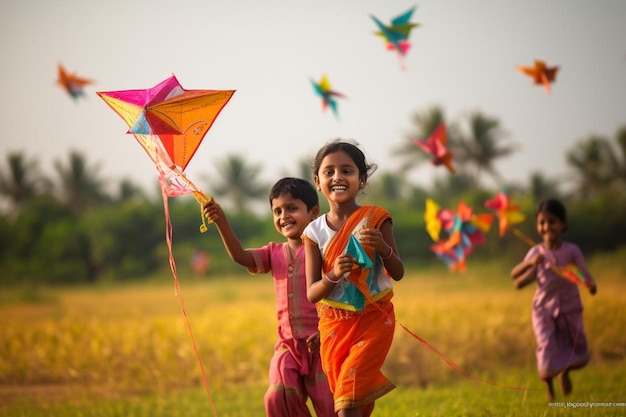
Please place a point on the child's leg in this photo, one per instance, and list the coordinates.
(285, 396)
(350, 412)
(364, 411)
(566, 382)
(550, 387)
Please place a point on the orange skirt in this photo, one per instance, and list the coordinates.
(354, 346)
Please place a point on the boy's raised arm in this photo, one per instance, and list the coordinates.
(237, 253)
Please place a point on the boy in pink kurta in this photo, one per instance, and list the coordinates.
(296, 368)
(296, 373)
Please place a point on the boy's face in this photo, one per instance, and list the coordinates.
(291, 216)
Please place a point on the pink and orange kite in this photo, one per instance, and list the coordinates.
(170, 122)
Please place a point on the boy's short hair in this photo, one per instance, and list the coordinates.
(299, 189)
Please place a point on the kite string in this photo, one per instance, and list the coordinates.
(446, 359)
(179, 296)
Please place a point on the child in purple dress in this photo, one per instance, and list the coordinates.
(557, 308)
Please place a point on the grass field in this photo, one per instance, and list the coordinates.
(125, 351)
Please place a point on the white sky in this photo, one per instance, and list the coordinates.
(464, 58)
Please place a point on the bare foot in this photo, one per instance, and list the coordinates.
(550, 395)
(566, 382)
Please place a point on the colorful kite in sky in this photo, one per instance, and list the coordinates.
(435, 146)
(541, 74)
(509, 214)
(170, 123)
(463, 230)
(327, 94)
(396, 35)
(71, 83)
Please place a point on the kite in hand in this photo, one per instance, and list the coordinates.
(328, 95)
(396, 35)
(435, 146)
(71, 83)
(540, 73)
(571, 273)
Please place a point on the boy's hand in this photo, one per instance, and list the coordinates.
(212, 210)
(313, 343)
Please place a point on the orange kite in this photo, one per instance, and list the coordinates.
(540, 73)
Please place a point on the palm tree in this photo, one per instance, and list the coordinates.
(21, 180)
(481, 147)
(424, 123)
(386, 187)
(591, 161)
(239, 181)
(598, 167)
(129, 190)
(618, 164)
(80, 184)
(541, 187)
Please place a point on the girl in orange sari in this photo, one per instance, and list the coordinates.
(350, 257)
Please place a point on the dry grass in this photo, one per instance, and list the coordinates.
(118, 341)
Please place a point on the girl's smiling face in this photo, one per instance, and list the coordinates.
(549, 227)
(338, 178)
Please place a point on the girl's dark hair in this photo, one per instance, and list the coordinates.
(351, 149)
(299, 189)
(555, 207)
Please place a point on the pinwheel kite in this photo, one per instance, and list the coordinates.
(327, 94)
(396, 35)
(435, 146)
(71, 83)
(508, 214)
(541, 74)
(463, 228)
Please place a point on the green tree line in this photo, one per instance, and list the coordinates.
(71, 228)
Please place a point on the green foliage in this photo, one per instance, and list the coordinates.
(83, 235)
(124, 239)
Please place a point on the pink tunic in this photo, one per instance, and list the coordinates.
(295, 373)
(557, 312)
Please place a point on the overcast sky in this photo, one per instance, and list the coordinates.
(464, 59)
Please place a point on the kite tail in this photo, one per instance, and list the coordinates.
(523, 236)
(178, 184)
(179, 296)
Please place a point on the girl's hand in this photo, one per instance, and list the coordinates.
(374, 238)
(537, 260)
(343, 264)
(593, 289)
